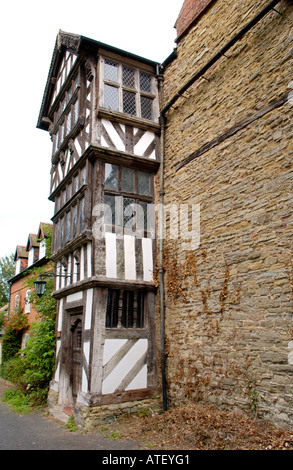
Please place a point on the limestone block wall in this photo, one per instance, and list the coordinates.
(229, 303)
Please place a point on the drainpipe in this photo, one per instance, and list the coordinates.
(160, 79)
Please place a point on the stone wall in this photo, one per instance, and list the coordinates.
(229, 303)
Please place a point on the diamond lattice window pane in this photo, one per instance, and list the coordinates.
(109, 209)
(128, 212)
(146, 107)
(141, 215)
(111, 71)
(143, 183)
(75, 112)
(127, 183)
(145, 81)
(128, 76)
(111, 176)
(129, 105)
(111, 97)
(68, 123)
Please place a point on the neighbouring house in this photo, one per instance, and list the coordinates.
(27, 257)
(172, 237)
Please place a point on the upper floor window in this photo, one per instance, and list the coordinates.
(28, 301)
(70, 209)
(128, 90)
(128, 198)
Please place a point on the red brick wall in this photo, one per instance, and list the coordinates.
(190, 10)
(19, 288)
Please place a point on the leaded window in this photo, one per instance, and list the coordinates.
(128, 198)
(128, 90)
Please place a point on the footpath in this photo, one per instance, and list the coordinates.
(34, 431)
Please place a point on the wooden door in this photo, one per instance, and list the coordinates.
(76, 349)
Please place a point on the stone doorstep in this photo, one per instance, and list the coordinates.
(60, 414)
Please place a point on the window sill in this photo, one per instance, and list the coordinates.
(133, 121)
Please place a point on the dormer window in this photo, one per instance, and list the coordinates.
(31, 256)
(42, 248)
(128, 90)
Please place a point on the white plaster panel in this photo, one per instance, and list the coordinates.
(78, 147)
(125, 365)
(86, 350)
(57, 371)
(89, 260)
(143, 143)
(111, 255)
(88, 309)
(129, 257)
(81, 274)
(84, 381)
(74, 297)
(147, 256)
(60, 316)
(111, 347)
(140, 380)
(119, 144)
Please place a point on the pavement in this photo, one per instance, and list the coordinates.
(36, 431)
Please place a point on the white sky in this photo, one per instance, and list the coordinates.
(28, 31)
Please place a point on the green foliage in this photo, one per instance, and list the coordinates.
(70, 425)
(14, 327)
(12, 369)
(32, 367)
(7, 270)
(17, 400)
(39, 360)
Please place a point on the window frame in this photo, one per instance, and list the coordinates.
(121, 195)
(122, 88)
(66, 111)
(119, 315)
(70, 207)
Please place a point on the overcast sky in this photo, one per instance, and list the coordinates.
(28, 33)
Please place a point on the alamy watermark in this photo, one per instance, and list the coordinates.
(172, 221)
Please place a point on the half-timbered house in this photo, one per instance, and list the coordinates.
(100, 107)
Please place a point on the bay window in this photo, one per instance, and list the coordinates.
(128, 90)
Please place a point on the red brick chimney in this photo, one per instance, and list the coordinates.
(189, 12)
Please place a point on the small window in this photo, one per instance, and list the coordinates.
(110, 213)
(111, 71)
(111, 98)
(111, 176)
(146, 107)
(128, 90)
(127, 183)
(144, 183)
(125, 309)
(28, 301)
(129, 103)
(145, 82)
(128, 77)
